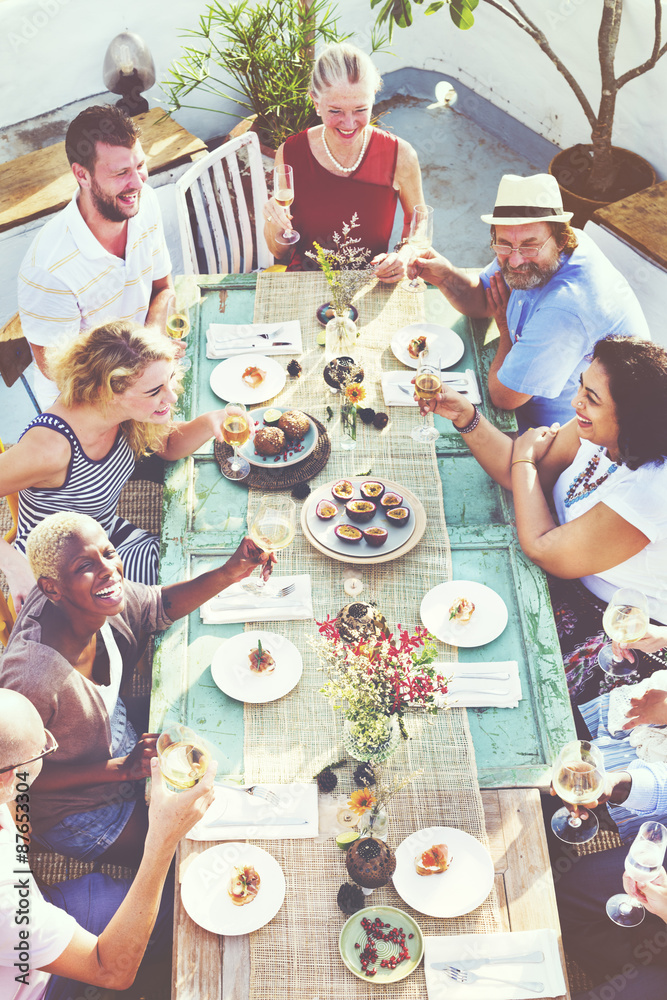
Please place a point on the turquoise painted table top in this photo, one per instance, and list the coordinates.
(204, 518)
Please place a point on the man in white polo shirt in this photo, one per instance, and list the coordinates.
(104, 256)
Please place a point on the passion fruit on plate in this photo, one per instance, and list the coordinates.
(325, 510)
(376, 536)
(399, 516)
(342, 490)
(348, 533)
(360, 511)
(391, 499)
(371, 490)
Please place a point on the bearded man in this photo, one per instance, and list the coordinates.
(104, 256)
(552, 292)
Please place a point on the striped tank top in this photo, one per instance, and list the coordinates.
(92, 486)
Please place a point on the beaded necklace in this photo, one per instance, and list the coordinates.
(584, 479)
(346, 170)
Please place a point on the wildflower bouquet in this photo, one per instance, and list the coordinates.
(345, 267)
(370, 803)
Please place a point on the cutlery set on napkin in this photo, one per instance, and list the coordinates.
(483, 685)
(227, 340)
(235, 815)
(398, 390)
(235, 604)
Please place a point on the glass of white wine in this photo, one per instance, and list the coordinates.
(578, 778)
(178, 327)
(283, 192)
(236, 429)
(273, 527)
(428, 384)
(625, 620)
(183, 757)
(642, 863)
(420, 239)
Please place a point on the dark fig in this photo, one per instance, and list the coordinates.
(326, 510)
(391, 500)
(371, 490)
(343, 490)
(376, 536)
(360, 510)
(399, 516)
(348, 533)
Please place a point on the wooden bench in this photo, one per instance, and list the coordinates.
(640, 221)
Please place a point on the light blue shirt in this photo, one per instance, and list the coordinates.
(554, 328)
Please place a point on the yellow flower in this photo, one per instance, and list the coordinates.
(361, 801)
(355, 392)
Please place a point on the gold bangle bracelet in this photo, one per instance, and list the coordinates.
(517, 460)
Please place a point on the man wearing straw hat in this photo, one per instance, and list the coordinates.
(552, 292)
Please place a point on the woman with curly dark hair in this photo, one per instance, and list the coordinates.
(604, 476)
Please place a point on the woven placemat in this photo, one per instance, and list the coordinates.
(265, 477)
(140, 503)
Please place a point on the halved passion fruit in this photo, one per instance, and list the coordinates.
(348, 533)
(343, 490)
(360, 510)
(326, 510)
(371, 489)
(391, 500)
(399, 515)
(376, 536)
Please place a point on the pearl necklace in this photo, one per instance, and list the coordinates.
(346, 170)
(584, 479)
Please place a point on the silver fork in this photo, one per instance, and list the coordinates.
(257, 790)
(255, 336)
(252, 588)
(462, 976)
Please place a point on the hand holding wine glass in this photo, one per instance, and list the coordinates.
(643, 863)
(236, 428)
(578, 778)
(428, 384)
(283, 192)
(626, 619)
(419, 241)
(273, 527)
(177, 326)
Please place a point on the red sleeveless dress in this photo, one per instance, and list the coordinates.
(324, 201)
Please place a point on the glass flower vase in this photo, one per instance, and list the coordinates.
(341, 336)
(356, 742)
(374, 823)
(348, 424)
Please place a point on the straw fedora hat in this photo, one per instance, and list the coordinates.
(522, 200)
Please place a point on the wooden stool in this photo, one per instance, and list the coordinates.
(15, 356)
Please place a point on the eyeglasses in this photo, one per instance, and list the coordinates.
(502, 250)
(51, 747)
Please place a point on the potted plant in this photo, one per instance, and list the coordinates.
(258, 55)
(590, 175)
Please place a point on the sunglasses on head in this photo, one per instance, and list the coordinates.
(51, 747)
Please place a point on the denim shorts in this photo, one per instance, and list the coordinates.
(86, 835)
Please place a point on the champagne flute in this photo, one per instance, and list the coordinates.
(273, 527)
(283, 192)
(578, 778)
(427, 385)
(183, 757)
(178, 327)
(420, 239)
(626, 619)
(642, 863)
(236, 429)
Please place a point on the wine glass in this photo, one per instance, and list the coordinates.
(283, 192)
(236, 429)
(273, 527)
(178, 327)
(183, 757)
(625, 620)
(578, 778)
(642, 863)
(420, 238)
(427, 385)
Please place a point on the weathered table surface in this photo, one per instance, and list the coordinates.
(208, 965)
(640, 221)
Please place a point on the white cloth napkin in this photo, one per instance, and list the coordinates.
(393, 384)
(494, 690)
(295, 800)
(238, 605)
(467, 947)
(619, 698)
(229, 339)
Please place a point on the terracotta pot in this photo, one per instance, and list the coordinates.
(635, 174)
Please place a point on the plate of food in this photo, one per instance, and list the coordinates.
(256, 667)
(443, 872)
(233, 888)
(282, 437)
(248, 378)
(464, 613)
(357, 519)
(381, 944)
(441, 342)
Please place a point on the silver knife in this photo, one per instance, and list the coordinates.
(273, 821)
(475, 963)
(481, 677)
(477, 690)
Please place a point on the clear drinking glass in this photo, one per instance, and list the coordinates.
(183, 757)
(578, 778)
(626, 619)
(178, 327)
(427, 385)
(273, 527)
(236, 429)
(420, 239)
(642, 863)
(283, 192)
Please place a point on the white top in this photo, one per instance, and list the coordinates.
(109, 692)
(68, 282)
(639, 497)
(49, 931)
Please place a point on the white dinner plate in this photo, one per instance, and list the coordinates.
(307, 443)
(227, 383)
(205, 884)
(440, 341)
(488, 619)
(231, 669)
(466, 883)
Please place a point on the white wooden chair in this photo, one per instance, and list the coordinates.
(219, 203)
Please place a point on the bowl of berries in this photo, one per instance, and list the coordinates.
(381, 944)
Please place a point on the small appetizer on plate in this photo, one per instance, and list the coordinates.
(261, 661)
(461, 611)
(243, 885)
(253, 376)
(434, 861)
(416, 346)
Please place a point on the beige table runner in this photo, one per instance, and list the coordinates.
(296, 955)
